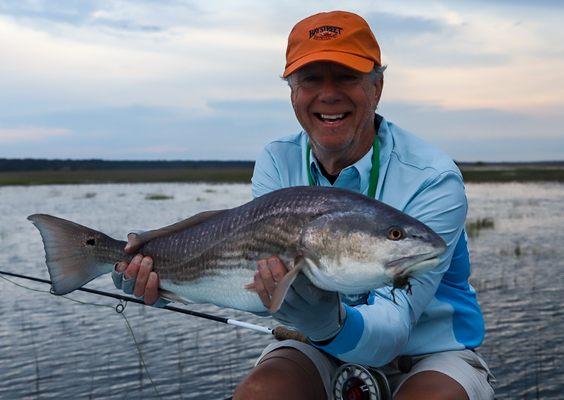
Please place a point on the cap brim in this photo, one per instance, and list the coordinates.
(355, 62)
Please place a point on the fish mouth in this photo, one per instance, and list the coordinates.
(418, 263)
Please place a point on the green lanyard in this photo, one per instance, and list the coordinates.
(373, 172)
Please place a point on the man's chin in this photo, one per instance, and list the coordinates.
(331, 146)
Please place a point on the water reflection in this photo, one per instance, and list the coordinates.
(56, 348)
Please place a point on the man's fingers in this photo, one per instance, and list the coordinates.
(269, 272)
(152, 289)
(143, 276)
(267, 278)
(120, 266)
(277, 268)
(261, 291)
(133, 267)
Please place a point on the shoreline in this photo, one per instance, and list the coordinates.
(485, 173)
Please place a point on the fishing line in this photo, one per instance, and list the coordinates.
(228, 321)
(117, 310)
(280, 332)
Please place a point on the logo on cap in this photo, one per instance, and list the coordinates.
(325, 32)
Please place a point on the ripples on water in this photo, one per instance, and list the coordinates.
(56, 348)
(518, 270)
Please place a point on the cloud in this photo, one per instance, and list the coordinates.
(479, 124)
(557, 4)
(139, 78)
(126, 25)
(67, 11)
(88, 66)
(239, 129)
(235, 129)
(391, 25)
(31, 134)
(131, 15)
(482, 134)
(187, 54)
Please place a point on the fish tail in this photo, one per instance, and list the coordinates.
(74, 253)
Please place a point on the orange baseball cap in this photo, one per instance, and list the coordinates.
(336, 36)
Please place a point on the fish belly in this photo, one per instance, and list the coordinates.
(224, 289)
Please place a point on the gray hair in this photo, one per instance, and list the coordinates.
(376, 73)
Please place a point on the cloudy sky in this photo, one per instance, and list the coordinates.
(191, 79)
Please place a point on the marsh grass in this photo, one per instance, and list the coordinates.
(158, 196)
(474, 227)
(62, 177)
(512, 174)
(480, 173)
(517, 250)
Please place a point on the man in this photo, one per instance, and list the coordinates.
(334, 71)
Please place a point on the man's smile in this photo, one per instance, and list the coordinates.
(333, 119)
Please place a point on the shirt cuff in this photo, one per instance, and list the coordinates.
(349, 335)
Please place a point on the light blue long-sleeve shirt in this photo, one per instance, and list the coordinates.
(442, 312)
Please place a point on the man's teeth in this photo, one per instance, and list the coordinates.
(332, 116)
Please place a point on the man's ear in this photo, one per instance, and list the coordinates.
(292, 99)
(379, 87)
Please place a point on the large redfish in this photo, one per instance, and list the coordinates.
(342, 241)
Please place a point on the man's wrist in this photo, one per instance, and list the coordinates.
(327, 337)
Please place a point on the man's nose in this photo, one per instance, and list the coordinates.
(329, 91)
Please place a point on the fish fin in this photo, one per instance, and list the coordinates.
(250, 287)
(170, 296)
(283, 286)
(137, 240)
(133, 242)
(70, 252)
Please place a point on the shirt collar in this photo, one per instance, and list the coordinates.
(386, 147)
(359, 173)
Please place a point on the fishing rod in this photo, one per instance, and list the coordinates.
(351, 381)
(119, 309)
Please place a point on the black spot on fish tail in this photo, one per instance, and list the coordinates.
(91, 242)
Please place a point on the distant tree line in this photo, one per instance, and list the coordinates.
(30, 164)
(33, 164)
(511, 164)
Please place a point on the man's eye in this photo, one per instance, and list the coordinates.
(348, 78)
(310, 78)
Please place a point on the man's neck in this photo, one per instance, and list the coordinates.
(332, 163)
(331, 178)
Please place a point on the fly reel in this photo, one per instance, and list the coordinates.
(355, 382)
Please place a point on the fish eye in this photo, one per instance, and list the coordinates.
(395, 233)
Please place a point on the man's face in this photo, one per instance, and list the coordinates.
(335, 105)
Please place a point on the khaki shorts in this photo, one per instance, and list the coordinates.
(464, 366)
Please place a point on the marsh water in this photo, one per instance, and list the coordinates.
(79, 347)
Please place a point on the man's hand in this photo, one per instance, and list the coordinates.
(317, 313)
(138, 278)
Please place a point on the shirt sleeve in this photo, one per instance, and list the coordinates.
(375, 333)
(265, 174)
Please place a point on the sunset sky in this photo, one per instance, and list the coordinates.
(482, 80)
